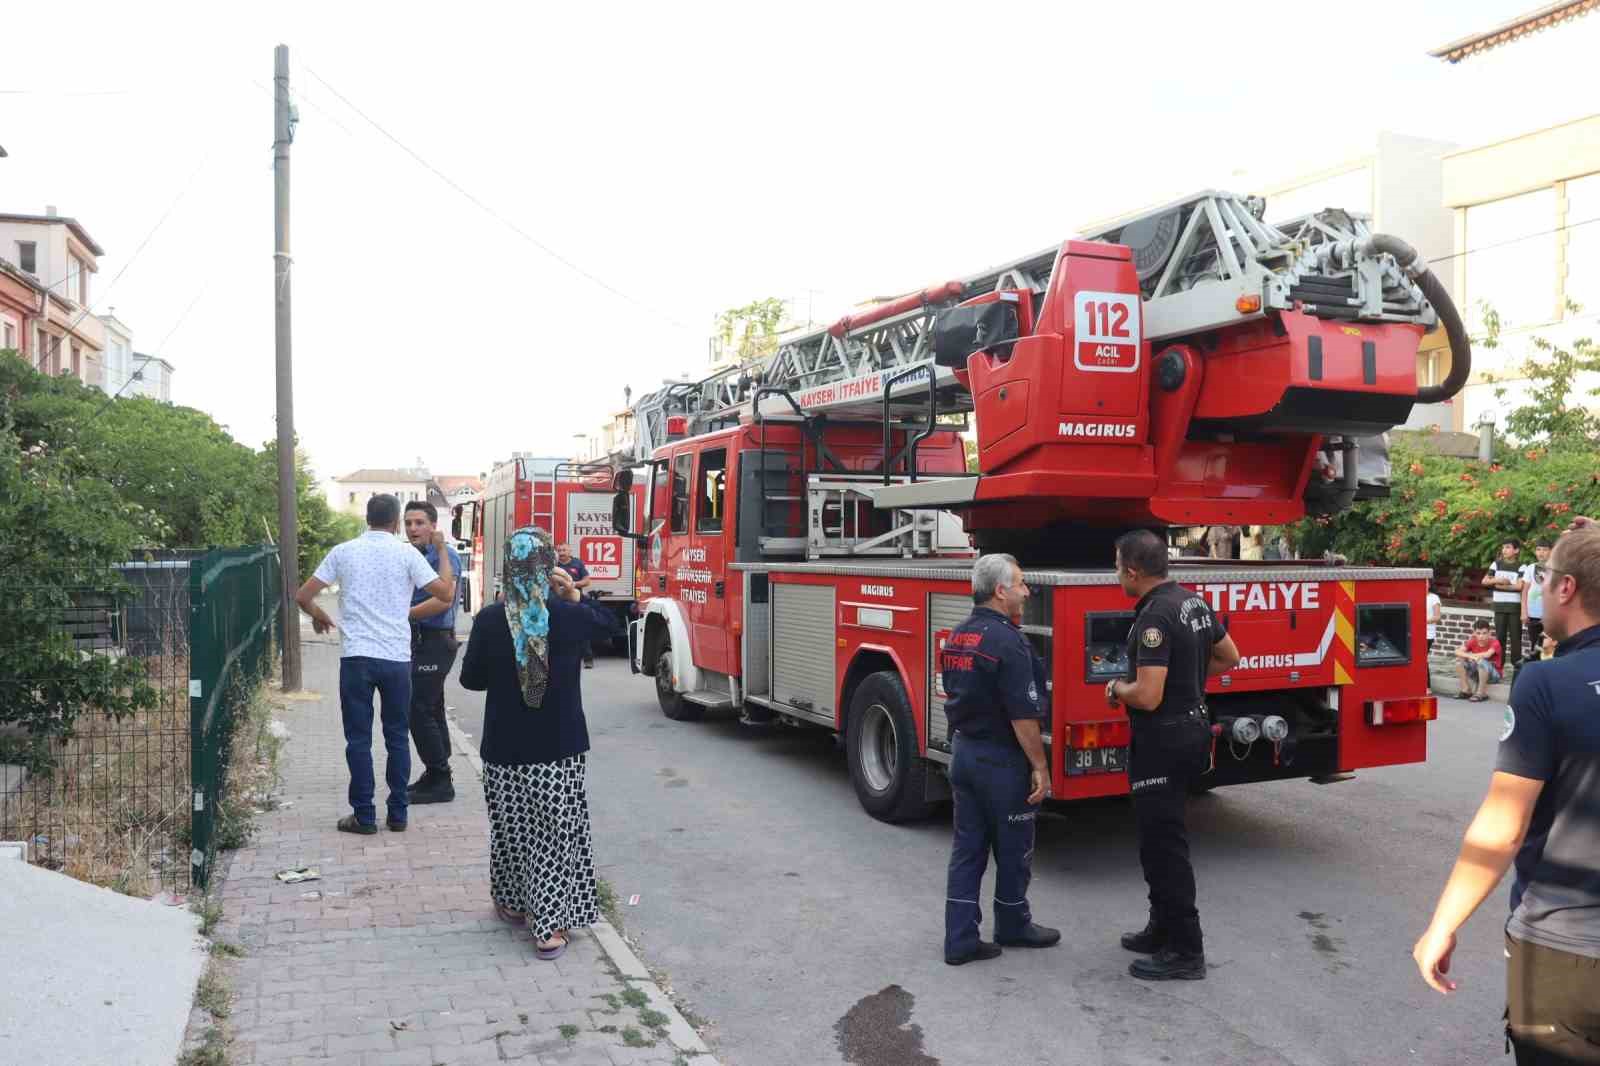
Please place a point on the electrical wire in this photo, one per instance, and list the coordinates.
(496, 215)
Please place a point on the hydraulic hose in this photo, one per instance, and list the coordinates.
(1455, 330)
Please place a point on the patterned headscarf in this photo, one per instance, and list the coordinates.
(530, 553)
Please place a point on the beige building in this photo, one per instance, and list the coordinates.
(351, 492)
(60, 254)
(1527, 244)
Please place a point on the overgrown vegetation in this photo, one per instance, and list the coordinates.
(155, 474)
(1454, 513)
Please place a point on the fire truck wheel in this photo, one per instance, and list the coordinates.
(889, 774)
(673, 705)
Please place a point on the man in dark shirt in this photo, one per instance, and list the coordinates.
(1542, 812)
(995, 700)
(433, 652)
(581, 580)
(1174, 644)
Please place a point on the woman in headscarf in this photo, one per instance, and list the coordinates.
(526, 654)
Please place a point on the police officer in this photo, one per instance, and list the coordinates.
(1542, 811)
(433, 652)
(995, 701)
(1175, 643)
(580, 577)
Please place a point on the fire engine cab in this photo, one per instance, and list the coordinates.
(808, 525)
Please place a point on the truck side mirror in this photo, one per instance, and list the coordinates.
(623, 481)
(455, 522)
(619, 512)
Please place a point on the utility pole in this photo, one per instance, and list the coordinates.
(288, 518)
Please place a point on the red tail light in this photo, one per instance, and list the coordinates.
(1392, 712)
(1098, 734)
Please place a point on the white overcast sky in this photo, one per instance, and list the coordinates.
(694, 156)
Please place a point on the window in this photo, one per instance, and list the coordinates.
(660, 496)
(83, 282)
(28, 256)
(77, 361)
(1583, 243)
(713, 481)
(74, 270)
(1511, 260)
(352, 497)
(681, 472)
(8, 336)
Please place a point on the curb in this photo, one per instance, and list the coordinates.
(679, 1031)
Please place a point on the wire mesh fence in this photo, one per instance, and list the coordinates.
(94, 722)
(234, 598)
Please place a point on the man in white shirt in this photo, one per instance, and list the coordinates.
(376, 573)
(1534, 576)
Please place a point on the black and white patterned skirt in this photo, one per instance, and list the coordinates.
(540, 858)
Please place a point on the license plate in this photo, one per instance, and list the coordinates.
(1096, 760)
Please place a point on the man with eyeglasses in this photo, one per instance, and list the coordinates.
(1542, 813)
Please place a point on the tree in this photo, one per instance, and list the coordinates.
(1550, 415)
(751, 331)
(59, 536)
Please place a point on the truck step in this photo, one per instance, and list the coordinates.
(711, 701)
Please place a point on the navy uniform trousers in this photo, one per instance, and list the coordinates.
(990, 781)
(1167, 755)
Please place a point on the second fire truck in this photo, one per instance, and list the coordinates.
(809, 525)
(574, 501)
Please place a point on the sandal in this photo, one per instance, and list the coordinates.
(552, 953)
(1477, 699)
(508, 915)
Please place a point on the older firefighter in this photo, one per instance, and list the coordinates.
(995, 701)
(1175, 643)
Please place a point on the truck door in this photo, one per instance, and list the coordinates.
(706, 561)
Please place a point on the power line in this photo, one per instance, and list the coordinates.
(496, 215)
(1515, 240)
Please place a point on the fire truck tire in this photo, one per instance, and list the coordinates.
(889, 774)
(673, 705)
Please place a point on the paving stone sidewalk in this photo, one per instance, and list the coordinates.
(394, 956)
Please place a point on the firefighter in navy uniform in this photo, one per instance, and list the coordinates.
(1175, 643)
(995, 703)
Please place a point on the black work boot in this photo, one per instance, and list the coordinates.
(1034, 936)
(1146, 941)
(985, 950)
(1169, 964)
(438, 790)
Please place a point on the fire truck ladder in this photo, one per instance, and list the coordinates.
(1203, 262)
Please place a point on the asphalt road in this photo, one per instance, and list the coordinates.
(808, 933)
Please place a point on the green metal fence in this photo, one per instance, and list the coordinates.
(234, 595)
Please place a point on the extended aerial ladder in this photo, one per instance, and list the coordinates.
(1187, 365)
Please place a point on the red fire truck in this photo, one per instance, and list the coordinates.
(810, 523)
(574, 501)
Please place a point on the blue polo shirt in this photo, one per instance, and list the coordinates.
(1552, 734)
(446, 619)
(992, 677)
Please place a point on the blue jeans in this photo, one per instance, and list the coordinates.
(990, 782)
(359, 677)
